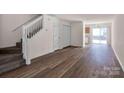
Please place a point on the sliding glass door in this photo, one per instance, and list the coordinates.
(99, 35)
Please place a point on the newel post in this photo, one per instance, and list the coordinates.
(25, 47)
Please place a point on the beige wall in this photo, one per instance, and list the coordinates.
(77, 34)
(8, 22)
(118, 38)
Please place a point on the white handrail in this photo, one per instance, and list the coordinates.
(20, 26)
(34, 21)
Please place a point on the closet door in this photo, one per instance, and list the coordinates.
(66, 35)
(55, 33)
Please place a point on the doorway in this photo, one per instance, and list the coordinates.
(99, 35)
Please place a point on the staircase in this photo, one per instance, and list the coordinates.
(11, 58)
(17, 56)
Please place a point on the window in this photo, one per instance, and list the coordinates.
(99, 35)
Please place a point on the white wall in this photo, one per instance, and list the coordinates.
(118, 38)
(42, 43)
(77, 34)
(109, 34)
(8, 22)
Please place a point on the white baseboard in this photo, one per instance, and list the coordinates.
(118, 59)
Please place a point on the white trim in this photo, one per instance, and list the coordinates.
(118, 59)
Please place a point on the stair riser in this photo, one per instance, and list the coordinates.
(9, 51)
(19, 45)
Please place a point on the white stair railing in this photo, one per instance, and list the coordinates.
(29, 30)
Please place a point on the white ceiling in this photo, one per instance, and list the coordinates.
(86, 17)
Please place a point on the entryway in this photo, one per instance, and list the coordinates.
(99, 35)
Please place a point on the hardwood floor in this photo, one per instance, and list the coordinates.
(95, 61)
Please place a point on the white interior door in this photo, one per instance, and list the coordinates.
(66, 35)
(56, 34)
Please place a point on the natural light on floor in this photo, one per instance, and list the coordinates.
(99, 41)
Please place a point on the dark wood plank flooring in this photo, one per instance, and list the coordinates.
(95, 61)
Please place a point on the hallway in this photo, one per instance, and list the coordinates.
(95, 61)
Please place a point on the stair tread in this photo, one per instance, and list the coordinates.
(9, 57)
(15, 61)
(11, 65)
(10, 50)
